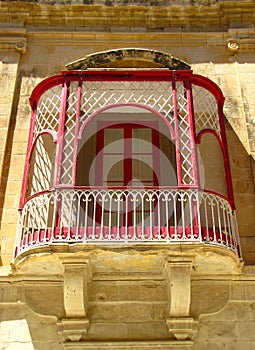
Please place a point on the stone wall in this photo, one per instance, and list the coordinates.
(126, 311)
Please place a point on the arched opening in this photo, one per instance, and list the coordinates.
(126, 147)
(129, 58)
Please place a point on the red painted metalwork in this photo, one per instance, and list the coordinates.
(43, 86)
(128, 75)
(139, 75)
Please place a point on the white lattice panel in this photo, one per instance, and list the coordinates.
(184, 136)
(157, 95)
(69, 135)
(205, 110)
(48, 110)
(41, 168)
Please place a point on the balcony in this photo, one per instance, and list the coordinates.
(121, 216)
(122, 159)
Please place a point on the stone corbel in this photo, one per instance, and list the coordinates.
(233, 46)
(241, 40)
(77, 275)
(13, 39)
(178, 273)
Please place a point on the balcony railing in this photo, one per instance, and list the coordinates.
(128, 216)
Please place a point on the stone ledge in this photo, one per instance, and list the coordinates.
(128, 345)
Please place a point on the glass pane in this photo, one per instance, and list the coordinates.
(142, 168)
(113, 141)
(113, 167)
(141, 141)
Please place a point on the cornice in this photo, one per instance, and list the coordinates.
(235, 40)
(74, 37)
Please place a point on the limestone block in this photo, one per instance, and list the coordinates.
(127, 311)
(205, 289)
(20, 328)
(128, 291)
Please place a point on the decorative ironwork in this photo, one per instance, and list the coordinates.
(99, 94)
(43, 165)
(205, 110)
(127, 216)
(48, 110)
(185, 139)
(69, 135)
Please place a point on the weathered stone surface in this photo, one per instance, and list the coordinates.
(139, 58)
(126, 299)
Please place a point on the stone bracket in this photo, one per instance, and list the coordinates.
(178, 273)
(73, 329)
(182, 328)
(76, 278)
(178, 270)
(77, 274)
(241, 39)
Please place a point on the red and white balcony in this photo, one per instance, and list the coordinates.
(124, 157)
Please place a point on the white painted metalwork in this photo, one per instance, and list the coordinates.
(42, 164)
(205, 110)
(69, 135)
(127, 216)
(48, 110)
(156, 95)
(185, 138)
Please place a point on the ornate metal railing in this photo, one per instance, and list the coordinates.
(126, 216)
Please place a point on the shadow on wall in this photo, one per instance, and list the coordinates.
(31, 330)
(241, 164)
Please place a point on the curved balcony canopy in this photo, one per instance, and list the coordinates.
(124, 156)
